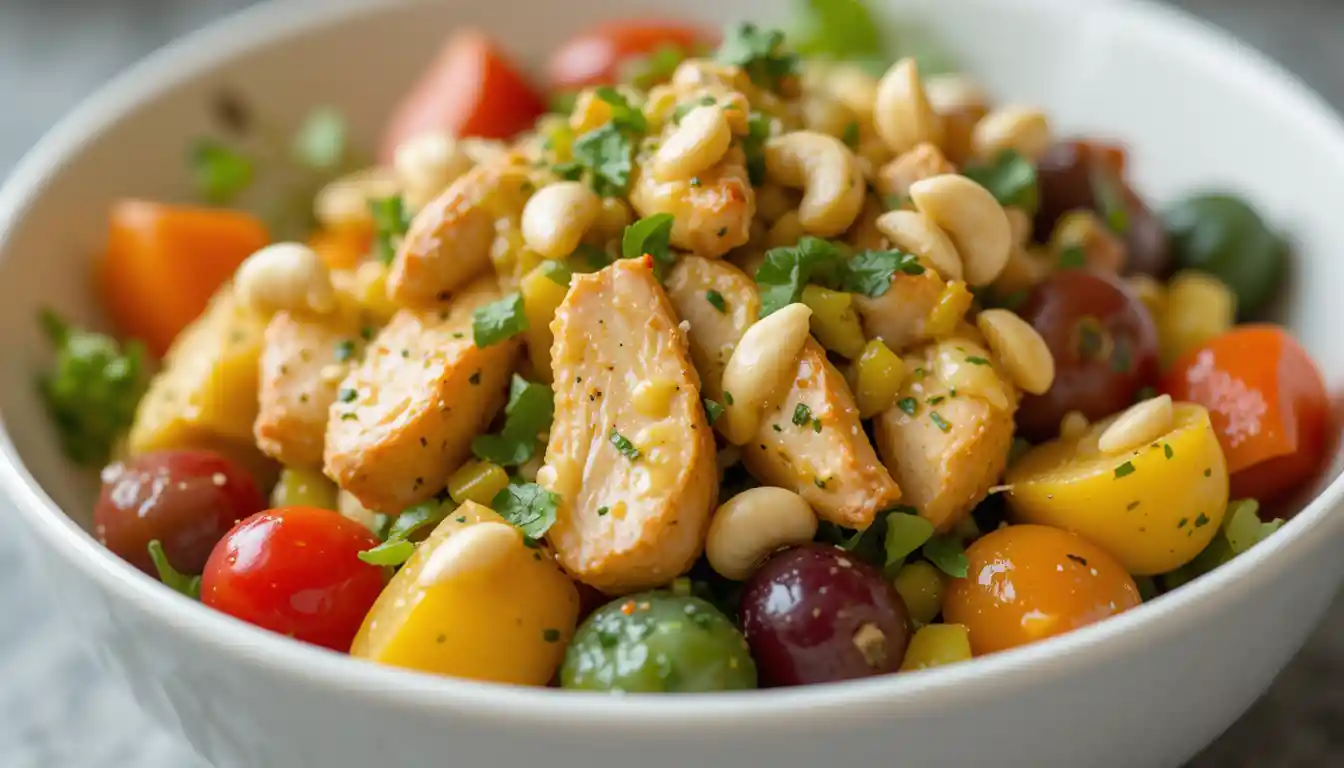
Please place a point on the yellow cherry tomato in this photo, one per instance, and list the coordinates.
(936, 645)
(474, 601)
(1029, 582)
(1153, 507)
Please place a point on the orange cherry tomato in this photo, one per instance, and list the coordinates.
(1267, 402)
(1030, 582)
(164, 262)
(596, 55)
(471, 89)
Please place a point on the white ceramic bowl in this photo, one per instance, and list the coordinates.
(1148, 688)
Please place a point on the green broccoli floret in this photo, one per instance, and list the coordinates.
(92, 388)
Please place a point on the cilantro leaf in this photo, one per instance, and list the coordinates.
(606, 152)
(906, 533)
(91, 389)
(219, 172)
(753, 146)
(870, 272)
(1072, 257)
(593, 256)
(624, 115)
(716, 300)
(785, 271)
(528, 507)
(623, 444)
(757, 52)
(388, 553)
(419, 518)
(1011, 178)
(840, 29)
(712, 410)
(390, 222)
(947, 553)
(644, 72)
(529, 412)
(651, 235)
(170, 576)
(320, 143)
(556, 271)
(498, 321)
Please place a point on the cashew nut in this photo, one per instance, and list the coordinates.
(1024, 354)
(747, 528)
(700, 141)
(1140, 425)
(427, 164)
(902, 114)
(285, 277)
(827, 172)
(972, 218)
(557, 217)
(474, 549)
(761, 365)
(1024, 130)
(345, 201)
(952, 93)
(913, 232)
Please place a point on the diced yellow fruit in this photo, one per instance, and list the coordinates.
(363, 291)
(1198, 308)
(477, 481)
(304, 488)
(541, 297)
(1153, 508)
(920, 585)
(835, 323)
(206, 395)
(878, 376)
(936, 645)
(504, 616)
(952, 305)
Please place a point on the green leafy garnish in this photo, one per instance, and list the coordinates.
(592, 255)
(909, 405)
(753, 146)
(1072, 257)
(1242, 525)
(840, 29)
(529, 412)
(92, 388)
(345, 349)
(562, 102)
(320, 143)
(716, 300)
(390, 222)
(1124, 470)
(606, 152)
(170, 576)
(802, 415)
(940, 422)
(712, 410)
(557, 272)
(1110, 200)
(851, 135)
(758, 52)
(870, 272)
(644, 72)
(623, 444)
(1011, 178)
(650, 235)
(948, 555)
(527, 506)
(624, 115)
(412, 523)
(786, 270)
(906, 533)
(389, 553)
(220, 173)
(498, 320)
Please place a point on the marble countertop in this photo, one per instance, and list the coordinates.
(58, 709)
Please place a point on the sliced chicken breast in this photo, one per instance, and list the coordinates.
(302, 363)
(405, 416)
(630, 453)
(720, 303)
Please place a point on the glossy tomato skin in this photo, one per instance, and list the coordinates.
(296, 571)
(1104, 343)
(470, 89)
(1029, 582)
(815, 614)
(187, 500)
(596, 55)
(1267, 402)
(1069, 175)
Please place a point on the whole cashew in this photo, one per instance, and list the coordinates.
(700, 141)
(747, 528)
(1024, 130)
(761, 365)
(288, 277)
(557, 217)
(972, 218)
(828, 173)
(902, 114)
(913, 232)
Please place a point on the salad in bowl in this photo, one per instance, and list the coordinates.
(729, 360)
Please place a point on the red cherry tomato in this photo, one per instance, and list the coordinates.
(1267, 402)
(295, 571)
(471, 89)
(597, 55)
(187, 500)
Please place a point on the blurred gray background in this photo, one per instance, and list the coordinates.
(58, 710)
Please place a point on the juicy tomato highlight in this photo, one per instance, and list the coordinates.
(596, 56)
(1267, 402)
(471, 89)
(295, 571)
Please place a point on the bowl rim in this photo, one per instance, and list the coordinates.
(196, 53)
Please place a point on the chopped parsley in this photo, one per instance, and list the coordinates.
(320, 143)
(1166, 449)
(758, 52)
(473, 379)
(1202, 520)
(939, 421)
(347, 395)
(1208, 472)
(948, 555)
(606, 152)
(851, 135)
(1072, 257)
(728, 397)
(684, 109)
(528, 507)
(529, 412)
(390, 222)
(908, 404)
(550, 635)
(644, 72)
(557, 272)
(623, 444)
(786, 270)
(1011, 178)
(1124, 470)
(650, 235)
(170, 576)
(624, 115)
(602, 511)
(345, 349)
(1110, 200)
(219, 172)
(498, 321)
(870, 272)
(802, 415)
(716, 299)
(973, 360)
(753, 146)
(712, 410)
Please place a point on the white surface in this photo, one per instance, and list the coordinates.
(1178, 687)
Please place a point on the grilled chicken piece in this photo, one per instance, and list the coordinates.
(899, 316)
(450, 239)
(813, 443)
(630, 454)
(713, 211)
(405, 416)
(948, 454)
(299, 373)
(856, 485)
